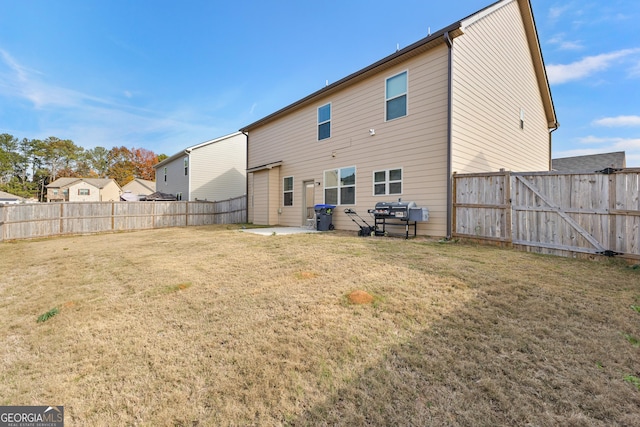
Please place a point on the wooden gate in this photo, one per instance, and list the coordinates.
(552, 212)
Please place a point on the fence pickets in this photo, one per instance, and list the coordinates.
(26, 221)
(552, 212)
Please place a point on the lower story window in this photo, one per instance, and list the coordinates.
(387, 182)
(340, 186)
(83, 191)
(178, 196)
(287, 191)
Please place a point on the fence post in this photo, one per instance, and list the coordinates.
(507, 195)
(3, 218)
(612, 218)
(61, 218)
(454, 200)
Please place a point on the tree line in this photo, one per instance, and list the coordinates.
(28, 165)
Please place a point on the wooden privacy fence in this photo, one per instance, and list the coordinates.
(552, 212)
(28, 221)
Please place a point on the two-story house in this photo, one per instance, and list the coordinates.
(471, 97)
(212, 170)
(83, 190)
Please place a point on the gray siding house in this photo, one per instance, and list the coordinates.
(212, 170)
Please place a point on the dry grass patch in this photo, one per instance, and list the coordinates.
(210, 326)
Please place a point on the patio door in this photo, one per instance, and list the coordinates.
(308, 198)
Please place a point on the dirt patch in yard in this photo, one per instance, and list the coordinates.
(360, 297)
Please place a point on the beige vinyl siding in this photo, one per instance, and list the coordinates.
(263, 201)
(140, 188)
(250, 195)
(494, 77)
(416, 143)
(94, 192)
(217, 170)
(274, 195)
(110, 192)
(260, 201)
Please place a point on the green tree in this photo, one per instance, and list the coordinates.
(121, 167)
(59, 154)
(9, 157)
(98, 159)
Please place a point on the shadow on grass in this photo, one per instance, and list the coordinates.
(495, 363)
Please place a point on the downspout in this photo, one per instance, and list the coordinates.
(188, 153)
(555, 128)
(449, 43)
(246, 180)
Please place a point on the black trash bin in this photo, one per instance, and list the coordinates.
(324, 216)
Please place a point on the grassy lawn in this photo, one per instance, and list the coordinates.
(213, 326)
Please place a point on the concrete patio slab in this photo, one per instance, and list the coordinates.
(279, 230)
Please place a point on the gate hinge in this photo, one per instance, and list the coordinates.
(609, 253)
(608, 171)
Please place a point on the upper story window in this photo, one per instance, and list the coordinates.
(324, 122)
(387, 182)
(165, 174)
(287, 191)
(340, 186)
(83, 191)
(186, 166)
(396, 96)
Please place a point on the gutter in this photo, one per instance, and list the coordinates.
(449, 43)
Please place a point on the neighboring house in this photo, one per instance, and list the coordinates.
(10, 199)
(590, 163)
(213, 170)
(472, 97)
(137, 189)
(83, 190)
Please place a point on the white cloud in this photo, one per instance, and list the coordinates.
(620, 121)
(91, 121)
(563, 44)
(556, 12)
(562, 73)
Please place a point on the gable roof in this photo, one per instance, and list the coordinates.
(438, 38)
(590, 163)
(188, 150)
(8, 196)
(66, 182)
(149, 185)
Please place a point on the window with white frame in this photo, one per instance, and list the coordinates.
(186, 166)
(387, 182)
(396, 96)
(287, 191)
(340, 186)
(324, 122)
(83, 191)
(165, 174)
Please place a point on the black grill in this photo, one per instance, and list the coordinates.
(405, 214)
(398, 210)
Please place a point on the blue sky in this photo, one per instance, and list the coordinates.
(164, 75)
